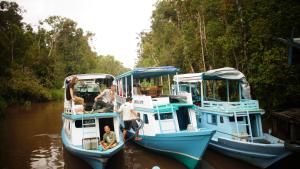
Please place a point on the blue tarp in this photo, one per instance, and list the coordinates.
(150, 72)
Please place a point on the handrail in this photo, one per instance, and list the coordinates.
(242, 105)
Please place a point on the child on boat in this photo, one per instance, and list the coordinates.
(109, 139)
(129, 117)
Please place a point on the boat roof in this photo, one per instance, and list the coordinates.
(148, 72)
(89, 77)
(226, 73)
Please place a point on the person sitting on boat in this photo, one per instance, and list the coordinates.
(109, 139)
(70, 93)
(137, 89)
(129, 117)
(107, 99)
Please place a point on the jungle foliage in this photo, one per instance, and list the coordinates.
(33, 63)
(198, 35)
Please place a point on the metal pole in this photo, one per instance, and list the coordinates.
(177, 83)
(202, 99)
(169, 84)
(126, 87)
(131, 85)
(240, 91)
(214, 89)
(227, 85)
(162, 84)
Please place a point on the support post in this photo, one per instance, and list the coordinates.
(227, 86)
(202, 99)
(126, 86)
(240, 91)
(177, 83)
(131, 85)
(169, 84)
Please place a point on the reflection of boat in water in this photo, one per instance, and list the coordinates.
(236, 117)
(81, 132)
(170, 125)
(292, 145)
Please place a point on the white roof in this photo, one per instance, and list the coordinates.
(91, 76)
(215, 74)
(188, 78)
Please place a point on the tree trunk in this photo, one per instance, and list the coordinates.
(201, 41)
(12, 51)
(243, 32)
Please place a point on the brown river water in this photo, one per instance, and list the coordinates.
(30, 138)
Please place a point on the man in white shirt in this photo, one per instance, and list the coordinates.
(107, 99)
(129, 117)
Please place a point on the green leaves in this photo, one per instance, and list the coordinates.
(192, 34)
(34, 63)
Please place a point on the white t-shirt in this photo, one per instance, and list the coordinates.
(125, 109)
(107, 97)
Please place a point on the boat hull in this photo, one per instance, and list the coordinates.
(260, 155)
(96, 159)
(186, 147)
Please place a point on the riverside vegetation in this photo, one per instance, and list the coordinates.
(33, 63)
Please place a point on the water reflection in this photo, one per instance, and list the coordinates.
(47, 157)
(30, 138)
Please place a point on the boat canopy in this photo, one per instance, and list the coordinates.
(89, 76)
(150, 72)
(226, 73)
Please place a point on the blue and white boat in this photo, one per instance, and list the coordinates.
(225, 105)
(82, 132)
(169, 121)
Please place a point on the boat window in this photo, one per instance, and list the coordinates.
(164, 116)
(231, 119)
(212, 119)
(145, 117)
(221, 119)
(87, 123)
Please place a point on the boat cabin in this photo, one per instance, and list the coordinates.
(224, 103)
(160, 110)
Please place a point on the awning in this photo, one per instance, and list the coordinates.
(150, 72)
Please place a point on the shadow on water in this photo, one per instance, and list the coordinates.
(30, 138)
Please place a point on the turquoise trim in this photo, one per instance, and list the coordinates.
(165, 108)
(89, 116)
(95, 158)
(187, 147)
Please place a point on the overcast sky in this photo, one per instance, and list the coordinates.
(116, 23)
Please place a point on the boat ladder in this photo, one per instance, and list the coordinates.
(247, 124)
(91, 125)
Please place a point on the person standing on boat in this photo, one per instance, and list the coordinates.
(70, 92)
(107, 99)
(109, 139)
(129, 117)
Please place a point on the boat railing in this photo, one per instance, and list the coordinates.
(232, 106)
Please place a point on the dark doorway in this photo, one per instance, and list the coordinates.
(183, 118)
(103, 122)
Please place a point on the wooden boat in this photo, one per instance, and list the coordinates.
(81, 133)
(170, 125)
(236, 118)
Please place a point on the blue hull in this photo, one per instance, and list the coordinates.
(96, 159)
(260, 155)
(186, 147)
